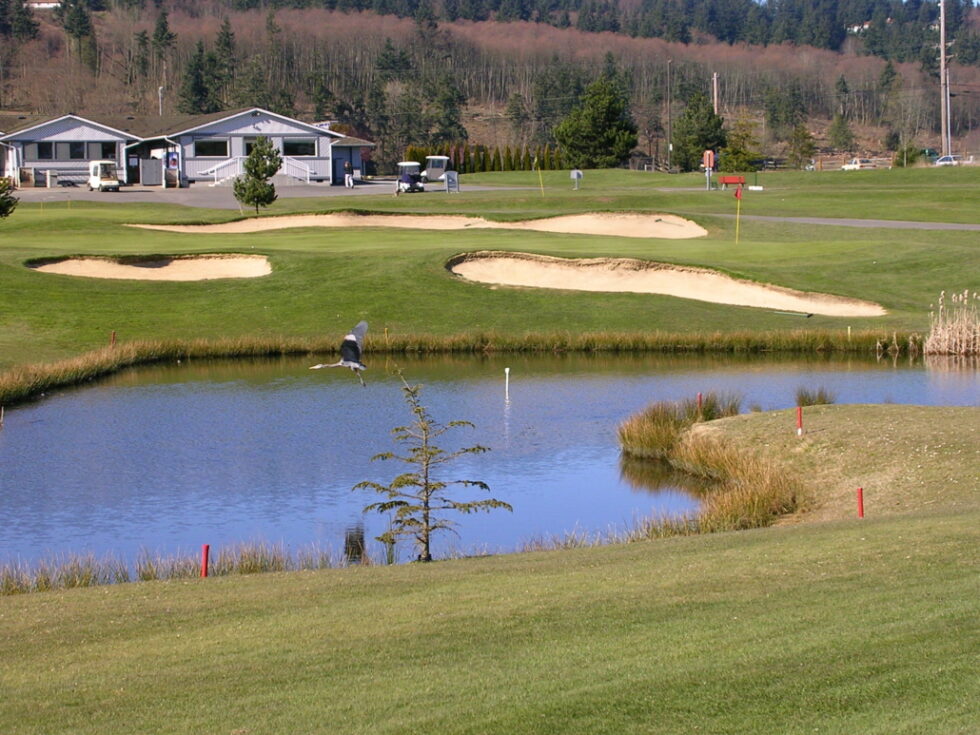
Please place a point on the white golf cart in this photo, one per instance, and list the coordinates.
(409, 177)
(435, 168)
(102, 176)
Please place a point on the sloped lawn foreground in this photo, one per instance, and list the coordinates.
(844, 626)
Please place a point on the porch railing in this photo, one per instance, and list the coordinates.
(225, 170)
(296, 169)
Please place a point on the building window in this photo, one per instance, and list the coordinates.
(45, 151)
(299, 147)
(211, 148)
(76, 151)
(109, 151)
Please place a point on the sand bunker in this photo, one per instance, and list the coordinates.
(188, 268)
(638, 276)
(664, 226)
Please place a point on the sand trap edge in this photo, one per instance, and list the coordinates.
(156, 267)
(631, 275)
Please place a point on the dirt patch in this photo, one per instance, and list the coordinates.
(183, 268)
(640, 276)
(662, 226)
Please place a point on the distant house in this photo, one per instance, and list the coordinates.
(61, 145)
(172, 151)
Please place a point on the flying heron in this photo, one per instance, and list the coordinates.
(350, 352)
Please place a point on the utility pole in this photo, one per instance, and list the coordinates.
(714, 90)
(670, 141)
(944, 82)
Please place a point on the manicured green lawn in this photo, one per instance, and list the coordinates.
(844, 626)
(848, 627)
(325, 279)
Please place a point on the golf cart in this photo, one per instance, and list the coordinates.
(102, 176)
(409, 178)
(435, 168)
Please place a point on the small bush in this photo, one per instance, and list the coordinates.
(820, 397)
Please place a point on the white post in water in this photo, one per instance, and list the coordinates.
(507, 384)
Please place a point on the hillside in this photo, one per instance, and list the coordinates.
(425, 79)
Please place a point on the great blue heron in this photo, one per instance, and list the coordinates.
(350, 352)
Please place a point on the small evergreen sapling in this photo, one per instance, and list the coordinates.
(253, 188)
(417, 498)
(8, 202)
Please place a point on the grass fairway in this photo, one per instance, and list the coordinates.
(842, 626)
(845, 627)
(325, 280)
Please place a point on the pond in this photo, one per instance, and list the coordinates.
(166, 458)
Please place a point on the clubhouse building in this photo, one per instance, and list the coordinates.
(175, 151)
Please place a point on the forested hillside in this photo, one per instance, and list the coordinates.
(854, 74)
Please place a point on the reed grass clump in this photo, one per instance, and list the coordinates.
(67, 571)
(749, 491)
(653, 432)
(955, 326)
(820, 397)
(752, 490)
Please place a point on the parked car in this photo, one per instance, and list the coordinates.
(857, 164)
(949, 160)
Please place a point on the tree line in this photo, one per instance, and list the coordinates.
(408, 83)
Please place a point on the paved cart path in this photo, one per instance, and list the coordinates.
(202, 195)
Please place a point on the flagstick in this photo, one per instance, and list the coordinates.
(738, 211)
(738, 217)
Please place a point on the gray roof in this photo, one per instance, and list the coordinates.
(349, 141)
(143, 127)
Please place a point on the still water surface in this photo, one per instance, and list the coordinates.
(167, 458)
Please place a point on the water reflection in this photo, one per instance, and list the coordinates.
(175, 455)
(653, 476)
(354, 547)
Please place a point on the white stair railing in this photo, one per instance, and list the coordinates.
(296, 169)
(225, 170)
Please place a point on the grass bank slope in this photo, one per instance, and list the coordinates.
(907, 459)
(842, 627)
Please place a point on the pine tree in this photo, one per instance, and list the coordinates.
(840, 134)
(417, 499)
(23, 27)
(801, 147)
(253, 188)
(8, 202)
(225, 61)
(697, 130)
(739, 153)
(196, 94)
(600, 133)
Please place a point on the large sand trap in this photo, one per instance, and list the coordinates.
(189, 268)
(638, 276)
(664, 226)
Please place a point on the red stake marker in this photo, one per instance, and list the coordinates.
(205, 549)
(860, 495)
(799, 420)
(700, 403)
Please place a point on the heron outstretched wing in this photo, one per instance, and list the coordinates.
(358, 333)
(350, 348)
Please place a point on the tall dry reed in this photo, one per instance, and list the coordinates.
(955, 325)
